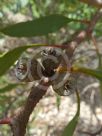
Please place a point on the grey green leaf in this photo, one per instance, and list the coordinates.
(97, 73)
(70, 128)
(37, 27)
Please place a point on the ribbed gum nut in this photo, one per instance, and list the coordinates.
(34, 69)
(31, 71)
(69, 86)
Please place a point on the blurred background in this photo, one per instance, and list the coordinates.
(53, 112)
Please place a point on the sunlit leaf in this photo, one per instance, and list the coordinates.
(70, 128)
(97, 73)
(37, 27)
(8, 59)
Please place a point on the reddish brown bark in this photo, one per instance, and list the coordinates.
(19, 122)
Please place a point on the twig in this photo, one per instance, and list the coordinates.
(83, 34)
(97, 50)
(5, 121)
(95, 44)
(80, 37)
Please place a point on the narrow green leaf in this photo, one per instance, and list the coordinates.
(58, 101)
(70, 128)
(7, 88)
(97, 73)
(8, 59)
(37, 27)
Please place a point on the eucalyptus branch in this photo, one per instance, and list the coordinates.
(97, 51)
(19, 122)
(83, 34)
(5, 121)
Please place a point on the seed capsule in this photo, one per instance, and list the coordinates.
(26, 69)
(69, 86)
(51, 59)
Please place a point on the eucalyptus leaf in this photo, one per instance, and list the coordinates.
(97, 73)
(70, 128)
(37, 27)
(58, 101)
